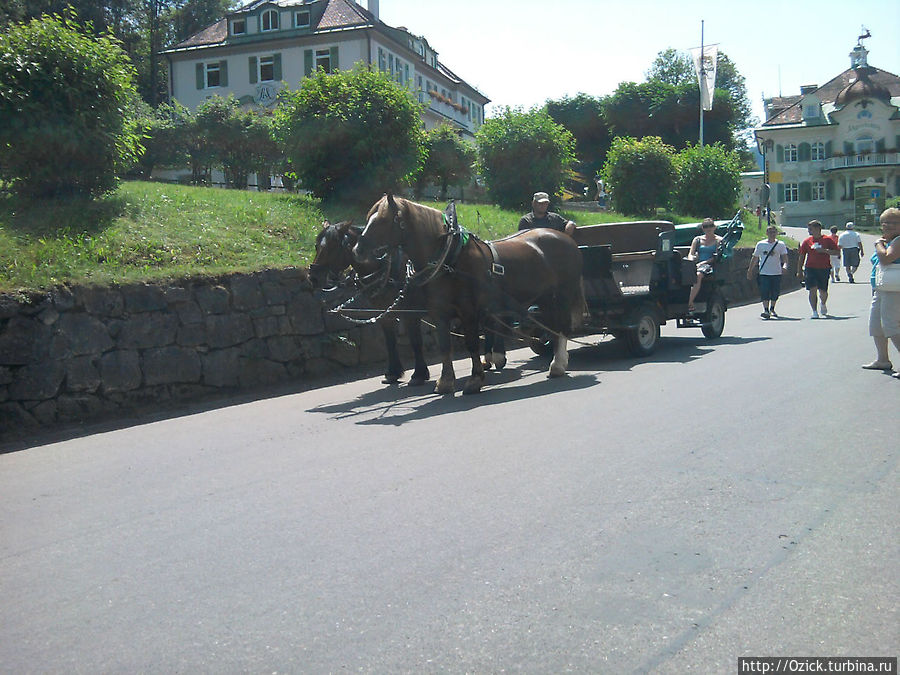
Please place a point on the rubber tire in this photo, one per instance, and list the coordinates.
(543, 345)
(644, 338)
(714, 319)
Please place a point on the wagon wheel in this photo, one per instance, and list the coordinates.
(643, 338)
(542, 344)
(714, 319)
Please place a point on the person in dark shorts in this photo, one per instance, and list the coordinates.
(814, 266)
(851, 248)
(541, 216)
(770, 259)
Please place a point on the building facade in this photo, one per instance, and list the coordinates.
(833, 152)
(267, 44)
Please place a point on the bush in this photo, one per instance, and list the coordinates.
(63, 101)
(520, 153)
(708, 181)
(640, 174)
(449, 160)
(238, 140)
(352, 134)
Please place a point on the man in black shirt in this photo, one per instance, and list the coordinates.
(541, 216)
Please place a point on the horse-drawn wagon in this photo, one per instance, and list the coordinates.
(624, 279)
(637, 277)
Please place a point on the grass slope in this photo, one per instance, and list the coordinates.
(148, 231)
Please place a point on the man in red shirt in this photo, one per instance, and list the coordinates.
(816, 251)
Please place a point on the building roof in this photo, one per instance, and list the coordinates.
(880, 80)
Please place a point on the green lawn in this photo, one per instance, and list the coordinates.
(154, 231)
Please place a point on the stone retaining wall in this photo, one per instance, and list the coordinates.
(79, 353)
(84, 352)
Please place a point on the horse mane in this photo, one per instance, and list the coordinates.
(430, 220)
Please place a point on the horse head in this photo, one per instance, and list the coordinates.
(383, 230)
(334, 245)
(398, 227)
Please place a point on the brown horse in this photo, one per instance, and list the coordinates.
(333, 258)
(469, 280)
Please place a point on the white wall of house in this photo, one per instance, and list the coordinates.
(227, 70)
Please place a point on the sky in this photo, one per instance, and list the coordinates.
(521, 53)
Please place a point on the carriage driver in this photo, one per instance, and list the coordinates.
(541, 216)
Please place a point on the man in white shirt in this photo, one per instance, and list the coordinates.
(852, 249)
(771, 257)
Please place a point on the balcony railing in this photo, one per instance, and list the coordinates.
(869, 159)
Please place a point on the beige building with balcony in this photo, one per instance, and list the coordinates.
(267, 44)
(833, 152)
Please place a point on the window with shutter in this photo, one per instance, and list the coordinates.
(803, 152)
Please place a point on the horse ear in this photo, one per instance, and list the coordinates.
(391, 203)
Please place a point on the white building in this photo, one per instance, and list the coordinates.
(833, 152)
(267, 44)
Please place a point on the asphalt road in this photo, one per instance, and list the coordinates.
(720, 499)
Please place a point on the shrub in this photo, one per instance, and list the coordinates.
(640, 174)
(449, 160)
(352, 134)
(520, 153)
(63, 100)
(708, 181)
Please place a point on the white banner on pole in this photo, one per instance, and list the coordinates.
(706, 73)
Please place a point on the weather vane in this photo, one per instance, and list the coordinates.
(864, 34)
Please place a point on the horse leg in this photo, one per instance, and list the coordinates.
(420, 374)
(488, 347)
(498, 353)
(560, 361)
(395, 368)
(446, 383)
(473, 342)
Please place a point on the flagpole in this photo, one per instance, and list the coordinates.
(702, 76)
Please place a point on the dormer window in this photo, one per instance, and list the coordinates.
(270, 20)
(301, 19)
(810, 110)
(239, 27)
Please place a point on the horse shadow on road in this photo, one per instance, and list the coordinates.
(395, 405)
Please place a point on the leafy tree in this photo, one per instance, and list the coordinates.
(708, 180)
(63, 103)
(353, 134)
(672, 67)
(162, 131)
(583, 117)
(640, 174)
(449, 160)
(521, 152)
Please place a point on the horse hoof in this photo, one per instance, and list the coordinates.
(487, 365)
(444, 388)
(417, 381)
(556, 371)
(390, 379)
(499, 361)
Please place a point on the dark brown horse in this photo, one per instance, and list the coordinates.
(465, 280)
(333, 257)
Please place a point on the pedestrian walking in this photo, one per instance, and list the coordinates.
(769, 260)
(814, 266)
(851, 249)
